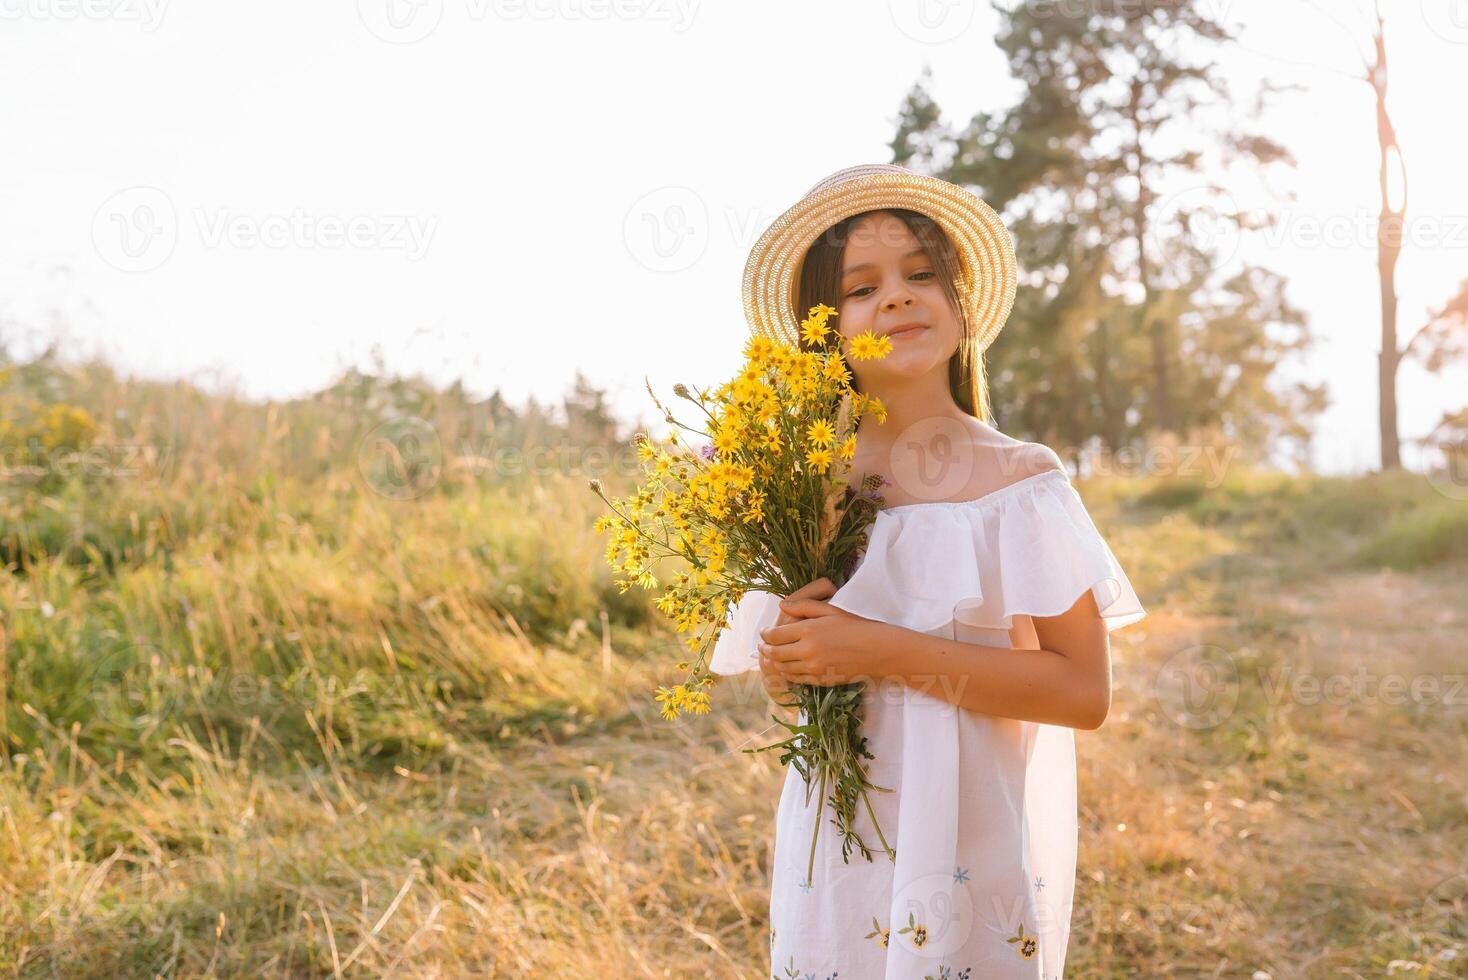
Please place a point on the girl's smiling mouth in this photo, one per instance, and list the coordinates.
(906, 330)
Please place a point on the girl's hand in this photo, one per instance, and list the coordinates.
(824, 645)
(775, 684)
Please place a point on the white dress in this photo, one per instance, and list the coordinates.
(983, 819)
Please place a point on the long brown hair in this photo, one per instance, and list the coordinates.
(820, 282)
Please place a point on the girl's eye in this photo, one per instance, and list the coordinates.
(856, 292)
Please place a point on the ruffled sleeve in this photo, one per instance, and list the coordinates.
(1029, 548)
(735, 651)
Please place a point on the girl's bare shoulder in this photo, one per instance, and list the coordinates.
(1007, 459)
(945, 467)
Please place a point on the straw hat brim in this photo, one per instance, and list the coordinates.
(988, 275)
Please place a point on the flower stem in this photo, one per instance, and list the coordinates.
(820, 808)
(873, 814)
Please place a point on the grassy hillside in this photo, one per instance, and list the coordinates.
(287, 691)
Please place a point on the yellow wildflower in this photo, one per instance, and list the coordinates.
(759, 349)
(726, 440)
(835, 368)
(669, 700)
(821, 433)
(746, 390)
(866, 346)
(819, 459)
(814, 331)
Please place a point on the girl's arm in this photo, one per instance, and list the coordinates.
(1066, 682)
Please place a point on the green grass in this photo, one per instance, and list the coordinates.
(261, 719)
(1420, 538)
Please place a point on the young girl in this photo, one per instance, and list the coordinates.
(978, 615)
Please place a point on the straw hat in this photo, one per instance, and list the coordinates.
(985, 284)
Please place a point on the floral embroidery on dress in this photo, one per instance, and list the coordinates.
(791, 973)
(882, 934)
(1027, 945)
(946, 973)
(918, 930)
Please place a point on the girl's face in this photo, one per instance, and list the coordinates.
(888, 284)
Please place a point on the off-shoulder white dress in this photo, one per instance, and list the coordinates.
(983, 819)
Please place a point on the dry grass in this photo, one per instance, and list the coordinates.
(309, 731)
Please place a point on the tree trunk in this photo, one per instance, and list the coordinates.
(1162, 394)
(1389, 230)
(1111, 423)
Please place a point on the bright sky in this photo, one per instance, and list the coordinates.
(507, 190)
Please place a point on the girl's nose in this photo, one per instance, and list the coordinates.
(902, 296)
(898, 294)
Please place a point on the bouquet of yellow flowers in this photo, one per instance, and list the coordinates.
(766, 504)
